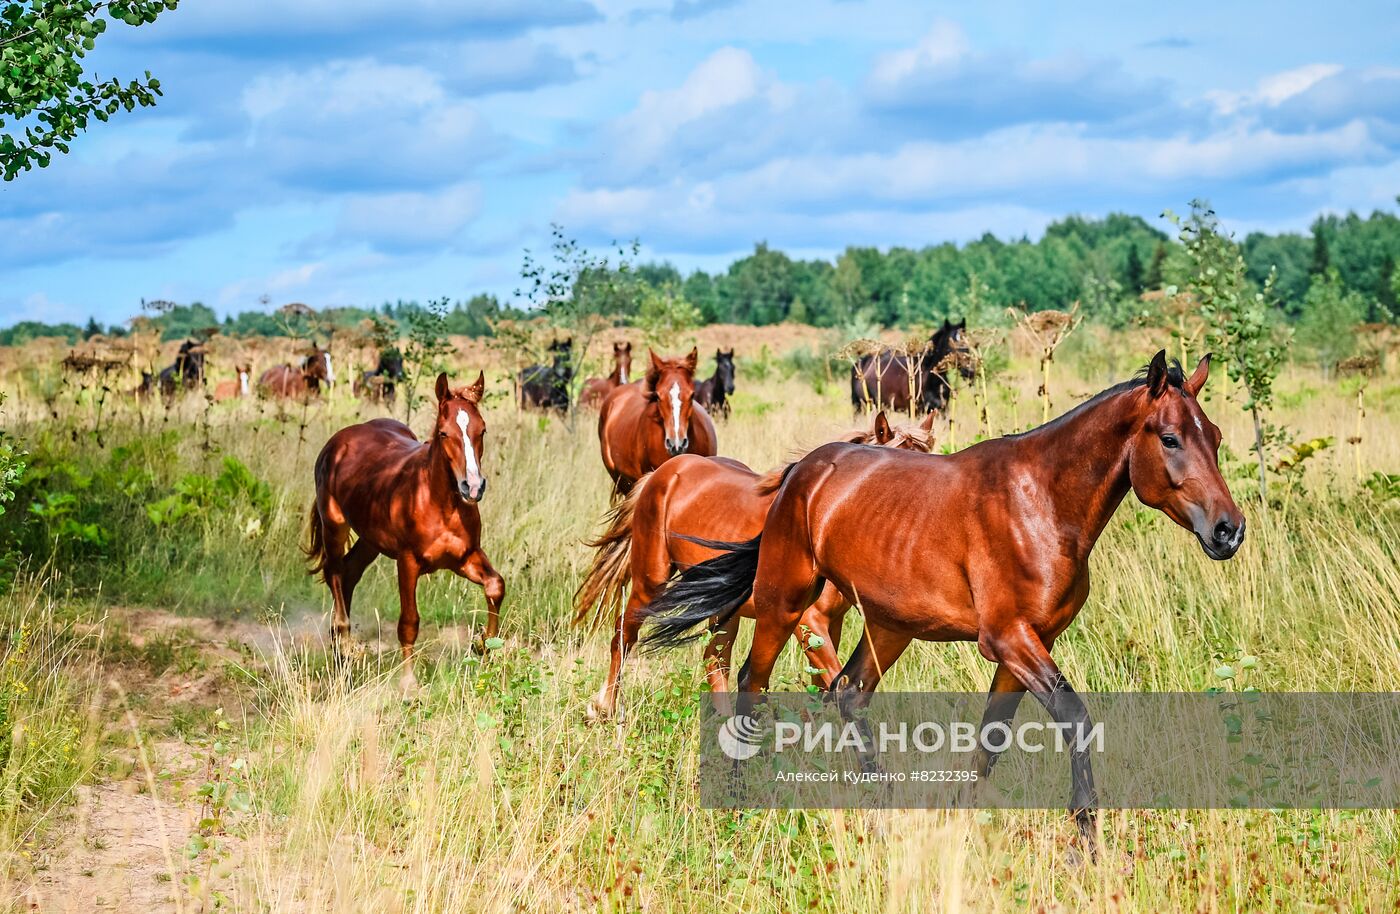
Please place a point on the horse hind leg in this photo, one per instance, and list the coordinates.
(607, 703)
(352, 568)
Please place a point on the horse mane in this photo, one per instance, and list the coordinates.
(909, 437)
(1175, 378)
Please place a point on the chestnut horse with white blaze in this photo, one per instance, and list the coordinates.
(413, 501)
(644, 424)
(654, 532)
(595, 389)
(990, 544)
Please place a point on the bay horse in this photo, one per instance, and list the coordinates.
(714, 392)
(895, 380)
(303, 380)
(644, 424)
(413, 501)
(596, 389)
(236, 387)
(990, 544)
(653, 533)
(547, 388)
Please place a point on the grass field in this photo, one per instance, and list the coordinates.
(178, 740)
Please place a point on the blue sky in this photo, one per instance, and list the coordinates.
(347, 152)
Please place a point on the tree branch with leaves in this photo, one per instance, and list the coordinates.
(46, 96)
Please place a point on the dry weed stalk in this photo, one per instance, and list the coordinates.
(1049, 329)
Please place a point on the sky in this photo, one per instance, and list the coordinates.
(348, 152)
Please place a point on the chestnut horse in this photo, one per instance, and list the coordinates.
(303, 380)
(714, 392)
(654, 531)
(415, 502)
(596, 389)
(990, 544)
(232, 388)
(643, 424)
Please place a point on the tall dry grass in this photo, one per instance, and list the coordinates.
(493, 794)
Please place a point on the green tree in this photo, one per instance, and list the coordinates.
(44, 89)
(1240, 329)
(1331, 312)
(1321, 255)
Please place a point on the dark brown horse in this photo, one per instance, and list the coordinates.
(303, 380)
(709, 498)
(895, 381)
(595, 390)
(990, 544)
(714, 392)
(547, 387)
(415, 502)
(643, 424)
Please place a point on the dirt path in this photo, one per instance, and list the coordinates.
(122, 847)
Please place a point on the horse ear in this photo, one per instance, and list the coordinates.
(1198, 377)
(927, 423)
(1157, 374)
(653, 370)
(474, 393)
(443, 389)
(883, 432)
(719, 353)
(627, 346)
(693, 359)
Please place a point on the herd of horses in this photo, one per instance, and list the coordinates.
(989, 544)
(306, 378)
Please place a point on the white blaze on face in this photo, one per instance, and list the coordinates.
(675, 411)
(330, 372)
(243, 383)
(1199, 427)
(473, 470)
(622, 373)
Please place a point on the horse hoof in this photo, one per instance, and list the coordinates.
(347, 649)
(597, 712)
(409, 690)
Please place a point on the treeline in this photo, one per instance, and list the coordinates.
(1105, 264)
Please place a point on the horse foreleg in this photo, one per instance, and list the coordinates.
(819, 633)
(408, 621)
(1003, 698)
(1021, 651)
(477, 569)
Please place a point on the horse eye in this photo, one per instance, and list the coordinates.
(1170, 442)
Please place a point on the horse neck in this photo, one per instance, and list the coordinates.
(1084, 463)
(437, 474)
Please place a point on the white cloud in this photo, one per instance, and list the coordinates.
(942, 47)
(362, 124)
(1273, 89)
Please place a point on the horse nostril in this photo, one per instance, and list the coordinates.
(1224, 532)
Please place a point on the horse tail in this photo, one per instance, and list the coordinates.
(315, 546)
(608, 575)
(715, 588)
(773, 480)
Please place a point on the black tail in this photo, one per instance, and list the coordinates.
(713, 589)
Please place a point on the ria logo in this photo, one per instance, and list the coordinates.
(739, 737)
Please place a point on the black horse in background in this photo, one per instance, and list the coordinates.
(381, 384)
(547, 387)
(882, 379)
(713, 393)
(187, 372)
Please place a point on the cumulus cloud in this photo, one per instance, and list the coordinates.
(360, 124)
(727, 113)
(1008, 168)
(942, 78)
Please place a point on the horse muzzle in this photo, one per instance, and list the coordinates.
(677, 448)
(472, 492)
(1224, 539)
